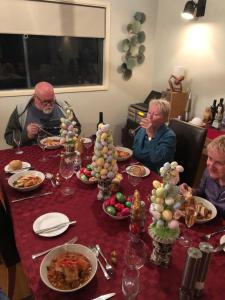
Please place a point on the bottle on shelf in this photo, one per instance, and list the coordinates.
(213, 109)
(100, 119)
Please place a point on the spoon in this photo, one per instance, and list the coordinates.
(108, 267)
(100, 264)
(50, 176)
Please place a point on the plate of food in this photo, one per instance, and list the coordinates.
(138, 170)
(49, 220)
(123, 153)
(51, 142)
(16, 166)
(206, 211)
(26, 181)
(68, 268)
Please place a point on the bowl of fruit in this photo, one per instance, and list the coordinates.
(118, 206)
(84, 174)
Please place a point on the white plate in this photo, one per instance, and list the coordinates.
(76, 248)
(16, 176)
(25, 165)
(222, 240)
(147, 171)
(127, 150)
(49, 220)
(56, 138)
(208, 205)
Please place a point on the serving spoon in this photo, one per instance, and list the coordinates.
(95, 251)
(109, 268)
(50, 176)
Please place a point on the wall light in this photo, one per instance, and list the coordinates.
(193, 9)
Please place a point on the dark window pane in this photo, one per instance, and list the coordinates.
(63, 61)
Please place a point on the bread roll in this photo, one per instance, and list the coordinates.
(137, 170)
(15, 165)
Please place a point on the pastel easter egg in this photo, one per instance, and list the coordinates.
(156, 214)
(103, 172)
(159, 224)
(62, 120)
(167, 187)
(110, 175)
(104, 143)
(103, 136)
(153, 191)
(115, 168)
(156, 184)
(100, 162)
(110, 152)
(159, 200)
(167, 215)
(153, 199)
(160, 192)
(98, 146)
(105, 149)
(109, 158)
(174, 164)
(177, 205)
(169, 201)
(166, 166)
(103, 177)
(158, 207)
(106, 165)
(105, 127)
(179, 169)
(174, 224)
(70, 127)
(62, 141)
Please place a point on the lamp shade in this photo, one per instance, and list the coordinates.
(189, 10)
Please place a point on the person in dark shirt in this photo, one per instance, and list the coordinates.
(42, 110)
(212, 185)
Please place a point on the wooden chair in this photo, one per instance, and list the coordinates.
(190, 142)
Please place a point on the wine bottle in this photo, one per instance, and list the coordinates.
(213, 109)
(100, 119)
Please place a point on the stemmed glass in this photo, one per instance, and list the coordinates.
(190, 215)
(134, 180)
(40, 137)
(135, 254)
(130, 283)
(66, 170)
(17, 140)
(87, 142)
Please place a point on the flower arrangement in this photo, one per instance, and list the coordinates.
(165, 202)
(68, 129)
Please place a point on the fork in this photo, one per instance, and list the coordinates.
(34, 256)
(108, 267)
(100, 264)
(208, 236)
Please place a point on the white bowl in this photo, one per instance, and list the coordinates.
(127, 150)
(48, 142)
(63, 248)
(209, 206)
(16, 176)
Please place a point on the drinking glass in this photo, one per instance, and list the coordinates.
(87, 142)
(66, 170)
(17, 140)
(40, 137)
(130, 283)
(135, 254)
(134, 180)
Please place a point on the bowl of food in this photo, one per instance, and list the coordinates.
(84, 175)
(26, 181)
(123, 153)
(138, 170)
(51, 142)
(68, 268)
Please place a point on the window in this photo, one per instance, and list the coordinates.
(56, 41)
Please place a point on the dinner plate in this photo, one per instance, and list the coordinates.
(222, 240)
(208, 205)
(147, 171)
(49, 220)
(25, 165)
(124, 149)
(47, 142)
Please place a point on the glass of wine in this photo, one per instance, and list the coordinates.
(41, 136)
(130, 282)
(17, 140)
(66, 170)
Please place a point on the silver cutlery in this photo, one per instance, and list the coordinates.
(34, 256)
(105, 273)
(219, 248)
(49, 176)
(109, 268)
(206, 237)
(52, 228)
(32, 196)
(45, 131)
(105, 297)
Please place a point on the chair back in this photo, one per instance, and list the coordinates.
(190, 142)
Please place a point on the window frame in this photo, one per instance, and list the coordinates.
(75, 89)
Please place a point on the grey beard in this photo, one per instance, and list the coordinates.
(47, 111)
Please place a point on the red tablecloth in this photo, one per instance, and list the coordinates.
(94, 226)
(213, 132)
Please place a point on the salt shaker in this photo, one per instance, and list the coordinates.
(77, 162)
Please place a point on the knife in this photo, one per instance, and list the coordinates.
(33, 196)
(58, 226)
(104, 297)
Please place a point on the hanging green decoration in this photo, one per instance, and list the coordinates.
(133, 46)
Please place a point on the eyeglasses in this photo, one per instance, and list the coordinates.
(46, 102)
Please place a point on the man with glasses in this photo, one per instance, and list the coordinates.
(41, 111)
(212, 185)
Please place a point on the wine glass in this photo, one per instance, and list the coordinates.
(130, 282)
(134, 180)
(41, 136)
(135, 254)
(66, 170)
(17, 140)
(190, 215)
(87, 142)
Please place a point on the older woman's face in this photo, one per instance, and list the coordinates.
(216, 164)
(155, 115)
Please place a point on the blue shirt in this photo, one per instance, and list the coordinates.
(212, 191)
(155, 152)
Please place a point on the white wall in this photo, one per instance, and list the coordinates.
(197, 45)
(115, 101)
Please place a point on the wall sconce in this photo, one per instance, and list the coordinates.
(192, 9)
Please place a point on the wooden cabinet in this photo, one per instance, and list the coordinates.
(178, 102)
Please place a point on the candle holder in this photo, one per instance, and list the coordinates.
(104, 189)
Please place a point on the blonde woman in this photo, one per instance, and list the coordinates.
(154, 142)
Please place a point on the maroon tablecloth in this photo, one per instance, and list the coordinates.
(94, 226)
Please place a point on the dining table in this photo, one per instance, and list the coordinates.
(94, 226)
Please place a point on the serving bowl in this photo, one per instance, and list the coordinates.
(119, 218)
(75, 248)
(127, 153)
(15, 177)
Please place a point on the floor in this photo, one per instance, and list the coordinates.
(22, 291)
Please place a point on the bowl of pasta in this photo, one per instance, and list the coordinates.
(26, 181)
(68, 267)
